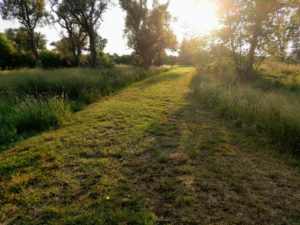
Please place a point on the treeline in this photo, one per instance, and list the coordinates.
(250, 31)
(147, 30)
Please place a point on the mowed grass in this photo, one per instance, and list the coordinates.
(36, 100)
(266, 106)
(150, 154)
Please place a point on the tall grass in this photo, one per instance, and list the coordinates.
(281, 75)
(35, 100)
(272, 113)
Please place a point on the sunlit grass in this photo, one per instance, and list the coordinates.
(36, 100)
(271, 111)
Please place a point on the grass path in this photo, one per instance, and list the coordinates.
(147, 155)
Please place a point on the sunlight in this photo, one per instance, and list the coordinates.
(196, 16)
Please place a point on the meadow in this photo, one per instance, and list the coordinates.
(269, 105)
(35, 100)
(149, 154)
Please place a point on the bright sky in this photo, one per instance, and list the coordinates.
(193, 17)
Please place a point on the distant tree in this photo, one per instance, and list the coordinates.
(245, 31)
(88, 15)
(123, 59)
(65, 49)
(70, 47)
(190, 49)
(29, 13)
(20, 38)
(6, 52)
(148, 30)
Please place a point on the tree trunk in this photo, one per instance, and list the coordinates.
(249, 71)
(93, 59)
(34, 47)
(146, 62)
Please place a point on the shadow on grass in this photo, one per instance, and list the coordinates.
(198, 170)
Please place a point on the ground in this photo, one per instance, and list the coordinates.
(150, 154)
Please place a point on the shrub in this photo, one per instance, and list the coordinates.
(23, 59)
(50, 60)
(6, 51)
(105, 61)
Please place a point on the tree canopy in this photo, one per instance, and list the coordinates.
(29, 13)
(148, 30)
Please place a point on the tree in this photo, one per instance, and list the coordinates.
(6, 52)
(70, 47)
(29, 13)
(20, 38)
(190, 50)
(245, 32)
(88, 15)
(283, 30)
(148, 30)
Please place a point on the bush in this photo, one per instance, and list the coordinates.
(50, 60)
(23, 59)
(219, 65)
(105, 61)
(6, 52)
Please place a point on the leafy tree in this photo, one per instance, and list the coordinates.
(20, 38)
(283, 30)
(190, 50)
(148, 30)
(245, 31)
(88, 15)
(70, 47)
(29, 13)
(66, 50)
(6, 52)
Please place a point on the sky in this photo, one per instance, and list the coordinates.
(191, 18)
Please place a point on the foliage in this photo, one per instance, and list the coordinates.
(20, 39)
(23, 59)
(87, 14)
(244, 31)
(69, 47)
(50, 59)
(29, 13)
(105, 60)
(123, 59)
(6, 52)
(284, 30)
(191, 49)
(148, 30)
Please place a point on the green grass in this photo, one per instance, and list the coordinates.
(278, 75)
(273, 112)
(150, 154)
(36, 100)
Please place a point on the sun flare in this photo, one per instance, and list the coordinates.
(196, 16)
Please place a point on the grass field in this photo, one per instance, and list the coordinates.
(269, 105)
(150, 154)
(35, 100)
